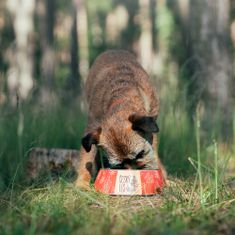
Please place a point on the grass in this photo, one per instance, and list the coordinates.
(60, 208)
(199, 200)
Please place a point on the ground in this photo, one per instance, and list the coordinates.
(61, 208)
(199, 200)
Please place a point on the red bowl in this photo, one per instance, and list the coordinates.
(129, 182)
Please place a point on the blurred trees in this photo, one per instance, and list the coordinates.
(212, 66)
(186, 45)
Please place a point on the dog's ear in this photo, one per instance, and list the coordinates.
(91, 138)
(143, 123)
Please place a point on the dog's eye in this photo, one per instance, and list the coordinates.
(140, 154)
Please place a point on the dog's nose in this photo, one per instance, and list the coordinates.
(140, 154)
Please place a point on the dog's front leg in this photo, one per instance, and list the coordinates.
(87, 168)
(159, 163)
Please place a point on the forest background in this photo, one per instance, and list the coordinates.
(186, 46)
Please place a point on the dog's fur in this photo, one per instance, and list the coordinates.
(122, 110)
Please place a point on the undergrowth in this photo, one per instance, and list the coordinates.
(199, 198)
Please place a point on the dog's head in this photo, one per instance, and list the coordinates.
(124, 140)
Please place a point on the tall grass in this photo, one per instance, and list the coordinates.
(198, 142)
(216, 169)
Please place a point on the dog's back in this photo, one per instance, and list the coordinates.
(116, 77)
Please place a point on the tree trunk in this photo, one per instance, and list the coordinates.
(74, 81)
(20, 74)
(211, 81)
(82, 30)
(146, 35)
(42, 160)
(46, 19)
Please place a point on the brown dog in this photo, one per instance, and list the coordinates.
(121, 118)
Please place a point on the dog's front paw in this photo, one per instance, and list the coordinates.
(82, 184)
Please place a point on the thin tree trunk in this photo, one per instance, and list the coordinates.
(20, 74)
(82, 30)
(74, 81)
(146, 35)
(46, 19)
(153, 18)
